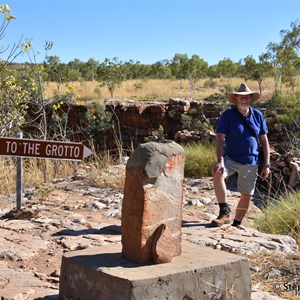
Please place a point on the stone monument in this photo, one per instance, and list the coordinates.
(152, 203)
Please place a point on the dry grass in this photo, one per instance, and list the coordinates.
(113, 176)
(8, 175)
(154, 89)
(33, 174)
(281, 216)
(106, 171)
(279, 274)
(101, 171)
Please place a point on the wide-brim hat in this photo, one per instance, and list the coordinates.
(243, 90)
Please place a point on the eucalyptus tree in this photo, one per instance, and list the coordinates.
(90, 69)
(213, 71)
(284, 56)
(77, 67)
(179, 66)
(257, 71)
(197, 69)
(111, 74)
(227, 68)
(51, 67)
(135, 70)
(160, 70)
(140, 71)
(79, 70)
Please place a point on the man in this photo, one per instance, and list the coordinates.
(237, 152)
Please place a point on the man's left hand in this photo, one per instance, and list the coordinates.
(265, 172)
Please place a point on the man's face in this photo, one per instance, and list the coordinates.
(243, 101)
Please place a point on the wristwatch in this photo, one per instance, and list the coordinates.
(267, 165)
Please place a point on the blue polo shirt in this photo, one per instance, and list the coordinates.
(240, 145)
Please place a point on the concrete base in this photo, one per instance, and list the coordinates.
(198, 273)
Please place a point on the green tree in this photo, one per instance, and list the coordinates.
(34, 85)
(284, 56)
(257, 71)
(48, 119)
(110, 73)
(161, 70)
(76, 66)
(140, 71)
(197, 69)
(51, 67)
(227, 68)
(136, 70)
(61, 73)
(179, 66)
(90, 69)
(213, 71)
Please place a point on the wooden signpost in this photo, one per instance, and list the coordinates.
(19, 148)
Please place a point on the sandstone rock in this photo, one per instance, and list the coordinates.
(153, 195)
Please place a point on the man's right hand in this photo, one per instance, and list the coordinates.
(218, 168)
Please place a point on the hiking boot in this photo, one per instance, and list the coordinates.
(220, 220)
(236, 223)
(224, 216)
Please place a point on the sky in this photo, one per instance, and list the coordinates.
(148, 31)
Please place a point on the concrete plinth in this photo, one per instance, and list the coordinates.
(198, 273)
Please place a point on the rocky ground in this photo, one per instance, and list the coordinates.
(70, 214)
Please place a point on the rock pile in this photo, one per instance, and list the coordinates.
(285, 171)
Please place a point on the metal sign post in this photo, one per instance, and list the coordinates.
(19, 178)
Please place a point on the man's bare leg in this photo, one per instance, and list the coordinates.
(220, 187)
(221, 194)
(241, 209)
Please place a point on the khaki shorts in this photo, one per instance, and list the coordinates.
(247, 175)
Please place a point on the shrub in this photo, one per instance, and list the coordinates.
(99, 120)
(138, 86)
(157, 135)
(193, 124)
(200, 159)
(210, 83)
(287, 108)
(227, 89)
(281, 216)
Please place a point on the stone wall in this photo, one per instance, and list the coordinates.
(139, 120)
(135, 121)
